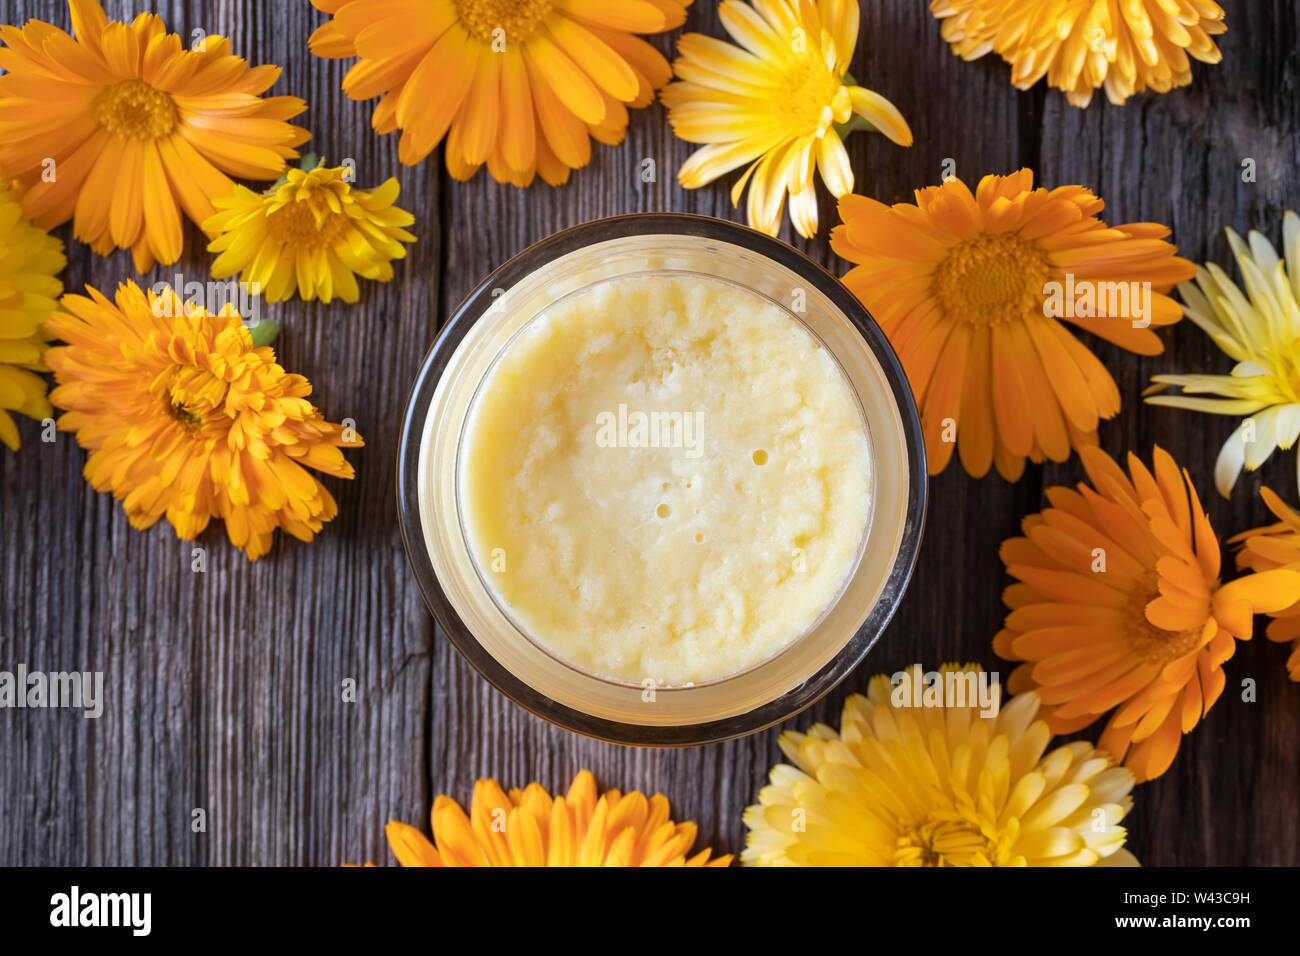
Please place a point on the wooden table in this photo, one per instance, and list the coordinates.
(223, 687)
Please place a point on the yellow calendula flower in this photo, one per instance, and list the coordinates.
(977, 292)
(1118, 607)
(1267, 549)
(312, 235)
(30, 262)
(948, 783)
(781, 101)
(124, 126)
(1259, 329)
(521, 85)
(1083, 45)
(529, 827)
(187, 419)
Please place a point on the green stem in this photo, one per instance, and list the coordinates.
(309, 162)
(854, 123)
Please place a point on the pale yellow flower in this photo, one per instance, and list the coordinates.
(1259, 329)
(939, 786)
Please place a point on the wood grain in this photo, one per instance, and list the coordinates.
(223, 688)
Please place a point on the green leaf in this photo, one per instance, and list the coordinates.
(264, 332)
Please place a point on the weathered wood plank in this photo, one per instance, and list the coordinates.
(1177, 159)
(223, 688)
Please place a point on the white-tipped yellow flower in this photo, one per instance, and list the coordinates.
(1260, 330)
(903, 785)
(781, 101)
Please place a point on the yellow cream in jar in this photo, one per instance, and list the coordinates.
(665, 479)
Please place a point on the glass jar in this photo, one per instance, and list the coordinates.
(433, 438)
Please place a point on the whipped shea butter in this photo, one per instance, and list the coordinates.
(661, 480)
(665, 479)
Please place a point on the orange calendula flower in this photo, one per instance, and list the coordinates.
(973, 290)
(521, 85)
(1083, 45)
(123, 127)
(1119, 608)
(30, 263)
(1267, 549)
(529, 827)
(187, 419)
(312, 235)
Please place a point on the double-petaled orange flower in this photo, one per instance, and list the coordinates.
(529, 827)
(186, 419)
(1085, 45)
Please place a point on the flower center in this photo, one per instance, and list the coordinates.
(943, 840)
(1154, 644)
(134, 109)
(307, 222)
(188, 420)
(516, 19)
(814, 99)
(992, 279)
(193, 394)
(1288, 370)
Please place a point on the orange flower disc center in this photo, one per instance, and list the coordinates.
(516, 19)
(992, 279)
(1154, 644)
(135, 110)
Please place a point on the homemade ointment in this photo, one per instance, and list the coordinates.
(665, 479)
